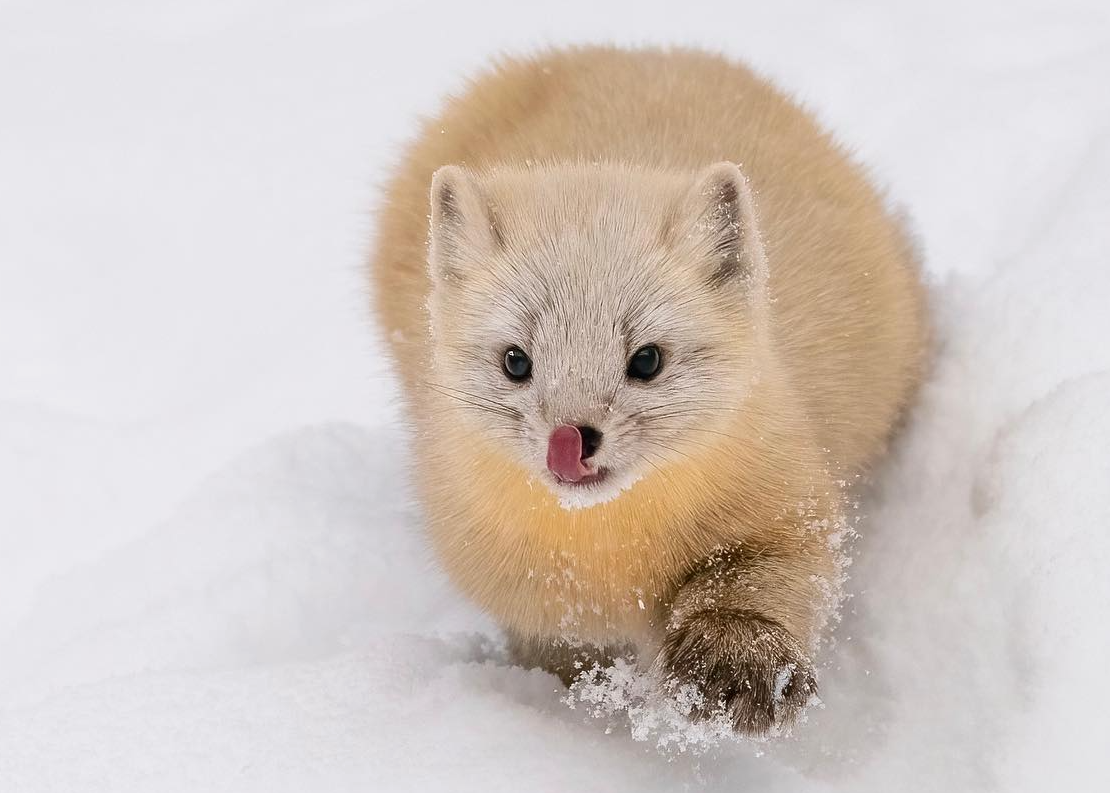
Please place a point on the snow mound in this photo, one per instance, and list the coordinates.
(623, 695)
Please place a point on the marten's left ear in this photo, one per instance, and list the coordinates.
(720, 220)
(462, 225)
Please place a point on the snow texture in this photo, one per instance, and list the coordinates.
(212, 576)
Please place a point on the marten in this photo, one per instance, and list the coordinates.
(650, 321)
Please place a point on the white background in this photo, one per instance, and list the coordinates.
(211, 574)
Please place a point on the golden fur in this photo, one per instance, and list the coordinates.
(609, 162)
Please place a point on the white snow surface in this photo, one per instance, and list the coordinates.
(212, 575)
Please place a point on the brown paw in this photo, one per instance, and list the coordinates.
(747, 667)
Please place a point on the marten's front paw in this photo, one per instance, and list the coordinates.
(746, 667)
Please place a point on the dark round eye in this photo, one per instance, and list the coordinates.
(517, 364)
(645, 363)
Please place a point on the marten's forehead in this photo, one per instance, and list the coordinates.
(567, 245)
(586, 250)
(610, 284)
(600, 307)
(581, 204)
(601, 253)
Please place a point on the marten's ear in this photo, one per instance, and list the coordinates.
(720, 220)
(462, 226)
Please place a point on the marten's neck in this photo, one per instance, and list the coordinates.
(546, 569)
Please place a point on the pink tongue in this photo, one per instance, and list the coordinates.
(564, 454)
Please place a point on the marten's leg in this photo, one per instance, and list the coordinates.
(564, 659)
(743, 626)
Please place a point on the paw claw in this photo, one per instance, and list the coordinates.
(748, 668)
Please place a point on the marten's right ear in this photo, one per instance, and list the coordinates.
(720, 219)
(462, 224)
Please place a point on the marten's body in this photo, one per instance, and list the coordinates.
(595, 216)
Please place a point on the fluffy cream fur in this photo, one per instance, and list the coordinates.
(584, 203)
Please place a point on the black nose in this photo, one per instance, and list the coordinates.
(591, 439)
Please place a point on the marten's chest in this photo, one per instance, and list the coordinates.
(592, 574)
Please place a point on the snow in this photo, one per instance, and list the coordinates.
(212, 576)
(659, 713)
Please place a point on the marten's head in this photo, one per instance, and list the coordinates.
(597, 323)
